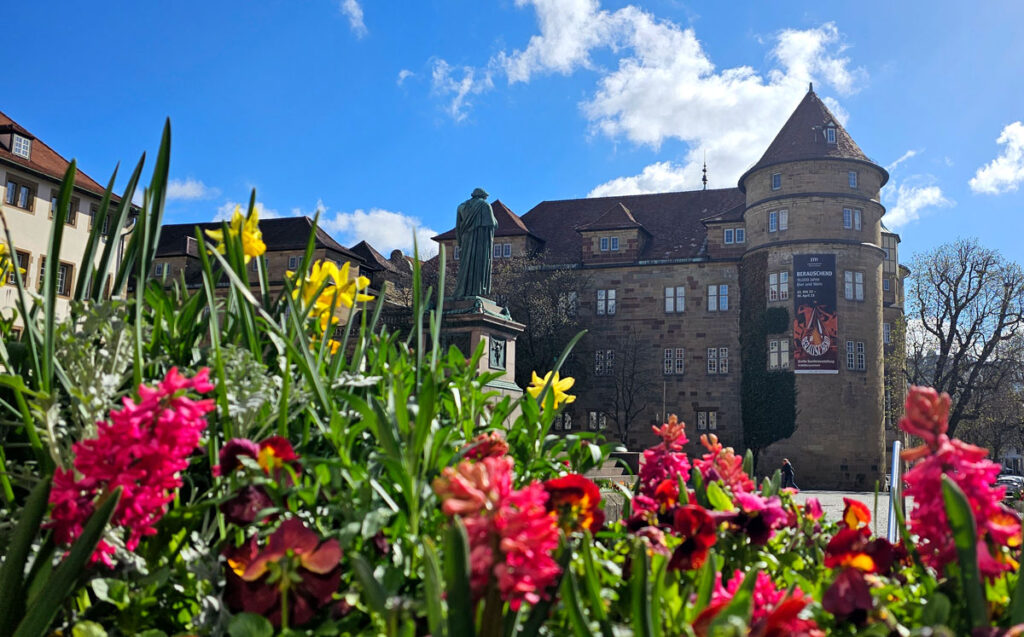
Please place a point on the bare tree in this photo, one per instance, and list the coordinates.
(965, 307)
(631, 390)
(1000, 422)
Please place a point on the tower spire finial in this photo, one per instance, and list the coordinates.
(810, 87)
(704, 178)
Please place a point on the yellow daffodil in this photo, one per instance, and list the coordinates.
(349, 291)
(247, 229)
(334, 287)
(558, 385)
(6, 263)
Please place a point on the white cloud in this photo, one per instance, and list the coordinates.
(189, 190)
(225, 211)
(444, 82)
(904, 157)
(910, 199)
(403, 75)
(837, 109)
(663, 176)
(383, 229)
(1006, 172)
(354, 12)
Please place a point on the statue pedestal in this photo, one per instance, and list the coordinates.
(466, 322)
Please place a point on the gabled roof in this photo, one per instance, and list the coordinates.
(42, 160)
(509, 224)
(673, 220)
(374, 260)
(285, 233)
(803, 137)
(618, 217)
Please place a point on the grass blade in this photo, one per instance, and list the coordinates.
(456, 575)
(962, 524)
(12, 602)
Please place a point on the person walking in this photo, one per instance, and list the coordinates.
(788, 475)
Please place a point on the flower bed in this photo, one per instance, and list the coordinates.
(235, 463)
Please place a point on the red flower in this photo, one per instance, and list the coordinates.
(574, 500)
(490, 444)
(775, 614)
(142, 448)
(849, 598)
(311, 574)
(697, 530)
(274, 452)
(856, 514)
(812, 509)
(243, 508)
(665, 461)
(231, 452)
(927, 414)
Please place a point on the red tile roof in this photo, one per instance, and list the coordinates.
(509, 223)
(617, 217)
(673, 220)
(42, 159)
(374, 260)
(803, 137)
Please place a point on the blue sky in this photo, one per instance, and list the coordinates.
(386, 115)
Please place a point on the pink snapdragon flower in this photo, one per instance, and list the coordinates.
(511, 533)
(666, 460)
(775, 613)
(997, 527)
(722, 463)
(142, 448)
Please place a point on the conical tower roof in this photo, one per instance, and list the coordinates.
(805, 136)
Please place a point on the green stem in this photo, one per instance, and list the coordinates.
(5, 482)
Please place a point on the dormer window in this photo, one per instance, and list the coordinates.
(21, 146)
(830, 134)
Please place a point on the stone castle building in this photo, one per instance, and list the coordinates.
(767, 304)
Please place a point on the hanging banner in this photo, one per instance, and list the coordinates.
(815, 330)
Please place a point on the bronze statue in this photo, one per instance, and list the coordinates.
(475, 231)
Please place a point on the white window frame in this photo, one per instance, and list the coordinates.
(783, 220)
(614, 241)
(604, 244)
(848, 218)
(674, 361)
(293, 262)
(712, 360)
(455, 253)
(727, 237)
(850, 355)
(776, 181)
(778, 353)
(707, 420)
(506, 249)
(606, 302)
(773, 221)
(856, 219)
(886, 333)
(741, 235)
(778, 286)
(718, 298)
(886, 286)
(830, 134)
(159, 269)
(496, 251)
(853, 285)
(21, 146)
(852, 178)
(723, 360)
(675, 299)
(861, 363)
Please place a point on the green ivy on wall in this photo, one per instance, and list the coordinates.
(768, 397)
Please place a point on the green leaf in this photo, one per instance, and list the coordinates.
(962, 524)
(374, 594)
(88, 629)
(936, 613)
(1017, 605)
(433, 589)
(718, 498)
(748, 463)
(65, 578)
(250, 625)
(12, 601)
(737, 613)
(571, 600)
(456, 574)
(113, 591)
(640, 592)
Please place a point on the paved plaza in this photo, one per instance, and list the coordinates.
(832, 505)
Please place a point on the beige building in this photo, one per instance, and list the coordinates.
(31, 173)
(738, 309)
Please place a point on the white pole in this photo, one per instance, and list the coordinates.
(895, 491)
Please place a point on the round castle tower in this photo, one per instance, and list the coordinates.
(813, 198)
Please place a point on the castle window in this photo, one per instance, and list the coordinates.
(830, 134)
(674, 361)
(675, 299)
(778, 286)
(604, 362)
(604, 244)
(19, 194)
(885, 284)
(596, 420)
(852, 218)
(778, 220)
(728, 235)
(776, 181)
(707, 420)
(718, 360)
(615, 243)
(718, 298)
(778, 353)
(293, 262)
(855, 355)
(21, 146)
(853, 178)
(886, 333)
(23, 259)
(506, 250)
(853, 285)
(605, 302)
(64, 275)
(159, 269)
(455, 254)
(741, 235)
